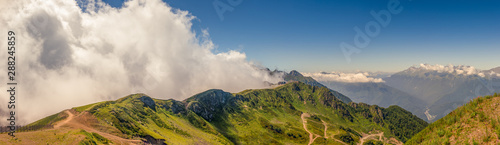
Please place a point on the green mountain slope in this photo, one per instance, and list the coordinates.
(477, 122)
(294, 113)
(296, 76)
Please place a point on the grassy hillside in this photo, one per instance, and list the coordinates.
(477, 122)
(141, 116)
(261, 116)
(294, 113)
(296, 76)
(49, 120)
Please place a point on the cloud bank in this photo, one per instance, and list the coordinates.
(359, 77)
(67, 58)
(458, 70)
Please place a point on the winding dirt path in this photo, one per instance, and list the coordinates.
(304, 124)
(65, 121)
(71, 121)
(326, 127)
(362, 140)
(312, 136)
(326, 136)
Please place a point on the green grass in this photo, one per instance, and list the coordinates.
(462, 122)
(261, 116)
(346, 138)
(133, 118)
(93, 138)
(373, 142)
(440, 132)
(49, 120)
(497, 131)
(85, 108)
(264, 103)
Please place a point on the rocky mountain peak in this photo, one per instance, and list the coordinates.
(295, 73)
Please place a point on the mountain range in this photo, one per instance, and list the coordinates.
(428, 91)
(299, 110)
(292, 113)
(446, 88)
(379, 94)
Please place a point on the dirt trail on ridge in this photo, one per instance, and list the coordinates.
(72, 122)
(362, 140)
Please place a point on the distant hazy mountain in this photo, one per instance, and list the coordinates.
(444, 88)
(296, 76)
(368, 87)
(428, 91)
(494, 72)
(496, 69)
(379, 94)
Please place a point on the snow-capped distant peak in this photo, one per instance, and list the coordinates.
(452, 69)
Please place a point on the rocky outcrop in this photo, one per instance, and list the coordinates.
(175, 106)
(148, 102)
(209, 103)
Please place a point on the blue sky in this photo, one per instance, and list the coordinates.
(306, 35)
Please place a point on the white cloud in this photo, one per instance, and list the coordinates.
(66, 57)
(359, 77)
(460, 69)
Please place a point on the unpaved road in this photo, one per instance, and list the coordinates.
(362, 140)
(326, 136)
(66, 120)
(326, 127)
(72, 122)
(312, 136)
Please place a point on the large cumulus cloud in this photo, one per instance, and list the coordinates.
(67, 57)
